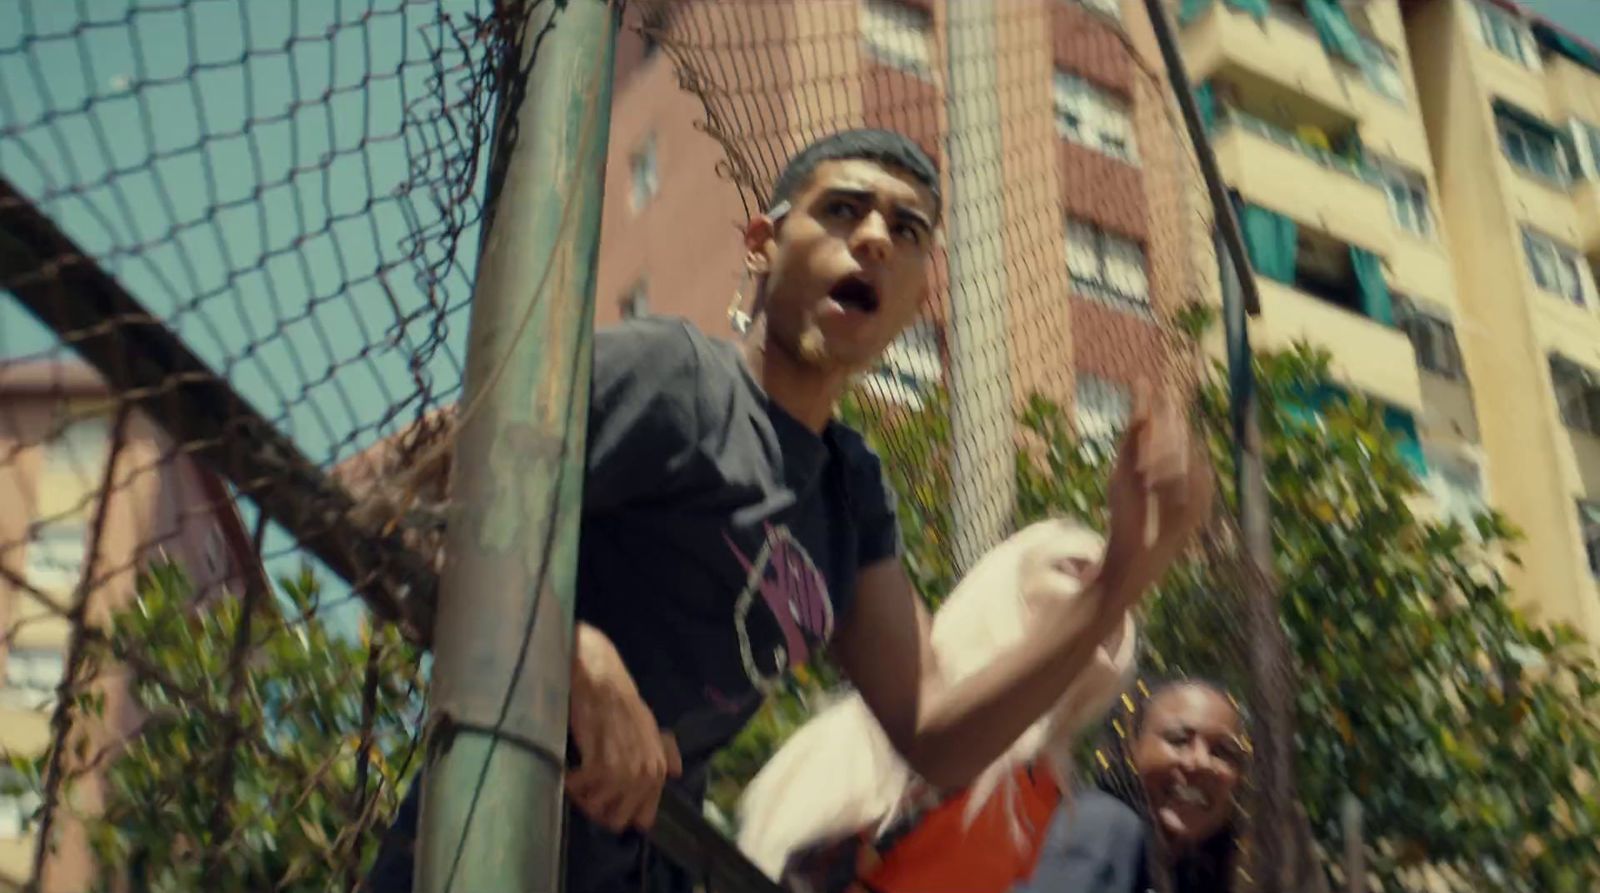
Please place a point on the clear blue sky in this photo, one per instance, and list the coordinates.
(141, 131)
(1581, 17)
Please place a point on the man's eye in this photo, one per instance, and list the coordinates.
(844, 209)
(909, 233)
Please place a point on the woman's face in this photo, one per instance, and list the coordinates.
(1189, 758)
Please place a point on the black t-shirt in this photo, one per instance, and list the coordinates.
(720, 544)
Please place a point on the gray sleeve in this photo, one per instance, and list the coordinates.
(876, 516)
(643, 423)
(1095, 845)
(871, 499)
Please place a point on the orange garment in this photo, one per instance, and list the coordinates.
(944, 855)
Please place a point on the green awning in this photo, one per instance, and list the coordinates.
(1257, 8)
(1404, 428)
(1526, 118)
(1271, 240)
(1205, 99)
(1560, 135)
(1189, 10)
(1567, 45)
(1375, 300)
(1304, 408)
(1338, 35)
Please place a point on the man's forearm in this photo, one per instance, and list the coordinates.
(965, 726)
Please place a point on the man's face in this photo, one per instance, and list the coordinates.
(846, 269)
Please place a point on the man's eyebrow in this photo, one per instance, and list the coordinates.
(915, 216)
(901, 212)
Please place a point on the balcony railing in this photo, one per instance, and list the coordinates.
(1352, 167)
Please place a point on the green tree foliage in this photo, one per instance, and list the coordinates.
(1470, 735)
(275, 776)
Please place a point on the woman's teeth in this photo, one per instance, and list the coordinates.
(1190, 795)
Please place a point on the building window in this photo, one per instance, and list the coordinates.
(644, 178)
(77, 451)
(1408, 198)
(32, 676)
(1577, 394)
(1106, 267)
(636, 302)
(1091, 117)
(1555, 267)
(1383, 71)
(1432, 337)
(1533, 149)
(898, 35)
(1456, 486)
(18, 803)
(1505, 34)
(55, 555)
(1589, 524)
(1100, 411)
(909, 367)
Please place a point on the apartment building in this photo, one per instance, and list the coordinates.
(1512, 108)
(1093, 236)
(55, 433)
(1417, 183)
(1318, 128)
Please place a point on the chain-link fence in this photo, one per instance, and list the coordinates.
(248, 234)
(1078, 261)
(238, 241)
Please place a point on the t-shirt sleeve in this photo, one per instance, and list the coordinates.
(643, 423)
(877, 520)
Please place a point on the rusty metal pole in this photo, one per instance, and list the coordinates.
(492, 803)
(1283, 858)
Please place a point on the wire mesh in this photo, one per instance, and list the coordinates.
(1077, 263)
(238, 243)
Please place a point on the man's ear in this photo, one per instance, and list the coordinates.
(758, 244)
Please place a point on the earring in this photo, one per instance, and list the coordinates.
(741, 320)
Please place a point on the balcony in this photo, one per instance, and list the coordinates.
(1268, 164)
(1278, 62)
(1367, 356)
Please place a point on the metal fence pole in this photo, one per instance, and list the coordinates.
(492, 804)
(982, 467)
(1283, 860)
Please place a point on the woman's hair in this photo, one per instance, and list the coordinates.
(1212, 865)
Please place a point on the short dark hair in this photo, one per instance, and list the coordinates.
(885, 147)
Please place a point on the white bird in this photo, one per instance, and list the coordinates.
(838, 773)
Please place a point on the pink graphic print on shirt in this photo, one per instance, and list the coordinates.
(796, 594)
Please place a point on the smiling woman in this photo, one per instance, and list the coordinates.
(1164, 803)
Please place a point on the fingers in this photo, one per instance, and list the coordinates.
(620, 797)
(620, 786)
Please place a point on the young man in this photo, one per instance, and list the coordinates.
(731, 526)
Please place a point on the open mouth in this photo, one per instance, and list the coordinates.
(855, 293)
